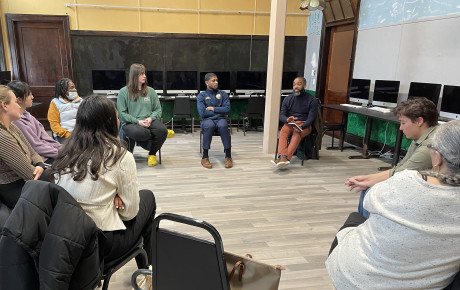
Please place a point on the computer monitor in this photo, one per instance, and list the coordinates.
(248, 82)
(223, 78)
(108, 81)
(181, 82)
(155, 80)
(427, 90)
(359, 91)
(386, 93)
(450, 102)
(287, 81)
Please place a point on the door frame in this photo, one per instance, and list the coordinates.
(12, 19)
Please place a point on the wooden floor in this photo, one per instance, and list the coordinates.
(287, 217)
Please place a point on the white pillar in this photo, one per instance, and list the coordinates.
(274, 74)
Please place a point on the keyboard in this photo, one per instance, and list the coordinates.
(350, 105)
(380, 109)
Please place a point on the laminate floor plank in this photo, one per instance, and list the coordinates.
(287, 217)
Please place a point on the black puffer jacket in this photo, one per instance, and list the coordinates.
(48, 242)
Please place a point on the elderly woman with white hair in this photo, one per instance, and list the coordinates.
(411, 238)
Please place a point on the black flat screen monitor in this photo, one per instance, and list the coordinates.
(450, 102)
(386, 93)
(427, 90)
(223, 78)
(155, 80)
(248, 82)
(108, 81)
(178, 82)
(359, 90)
(287, 81)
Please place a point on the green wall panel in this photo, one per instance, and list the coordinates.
(357, 125)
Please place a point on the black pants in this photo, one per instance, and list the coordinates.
(155, 134)
(353, 220)
(120, 242)
(10, 192)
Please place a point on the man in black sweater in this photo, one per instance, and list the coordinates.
(299, 108)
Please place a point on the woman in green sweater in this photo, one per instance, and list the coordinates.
(139, 111)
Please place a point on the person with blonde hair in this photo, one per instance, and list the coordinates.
(18, 160)
(140, 113)
(411, 238)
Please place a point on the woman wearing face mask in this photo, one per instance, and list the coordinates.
(63, 109)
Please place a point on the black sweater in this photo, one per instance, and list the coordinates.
(303, 106)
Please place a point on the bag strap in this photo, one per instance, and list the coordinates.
(241, 265)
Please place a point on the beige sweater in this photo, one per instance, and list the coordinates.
(97, 197)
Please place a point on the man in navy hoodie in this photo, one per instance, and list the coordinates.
(213, 107)
(299, 108)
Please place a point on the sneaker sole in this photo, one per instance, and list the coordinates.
(281, 165)
(274, 163)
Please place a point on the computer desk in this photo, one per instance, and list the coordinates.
(370, 115)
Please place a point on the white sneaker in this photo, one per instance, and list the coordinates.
(282, 163)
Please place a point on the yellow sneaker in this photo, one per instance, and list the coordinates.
(152, 161)
(170, 134)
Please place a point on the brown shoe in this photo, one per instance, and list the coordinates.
(228, 162)
(275, 162)
(206, 164)
(282, 163)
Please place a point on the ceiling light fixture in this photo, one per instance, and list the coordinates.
(312, 5)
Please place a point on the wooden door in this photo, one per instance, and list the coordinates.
(338, 70)
(40, 55)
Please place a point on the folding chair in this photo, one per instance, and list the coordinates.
(256, 108)
(182, 110)
(182, 261)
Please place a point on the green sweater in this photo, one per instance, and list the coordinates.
(130, 111)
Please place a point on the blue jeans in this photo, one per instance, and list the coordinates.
(361, 208)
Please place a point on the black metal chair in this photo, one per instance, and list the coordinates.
(137, 252)
(182, 110)
(333, 128)
(182, 261)
(306, 149)
(256, 108)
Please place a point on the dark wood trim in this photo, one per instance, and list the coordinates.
(177, 35)
(353, 48)
(323, 61)
(340, 22)
(2, 51)
(10, 20)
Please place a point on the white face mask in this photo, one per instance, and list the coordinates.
(72, 96)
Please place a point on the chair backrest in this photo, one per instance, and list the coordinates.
(182, 261)
(182, 106)
(256, 106)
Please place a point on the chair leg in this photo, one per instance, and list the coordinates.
(105, 286)
(172, 123)
(159, 155)
(142, 260)
(244, 126)
(193, 125)
(201, 142)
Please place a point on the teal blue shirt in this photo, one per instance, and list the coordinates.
(130, 111)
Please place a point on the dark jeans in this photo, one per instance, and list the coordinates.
(120, 242)
(353, 220)
(209, 126)
(155, 134)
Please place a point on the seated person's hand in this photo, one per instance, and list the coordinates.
(210, 109)
(37, 172)
(144, 123)
(148, 121)
(118, 202)
(291, 119)
(358, 183)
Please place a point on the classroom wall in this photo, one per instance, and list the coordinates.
(150, 20)
(408, 41)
